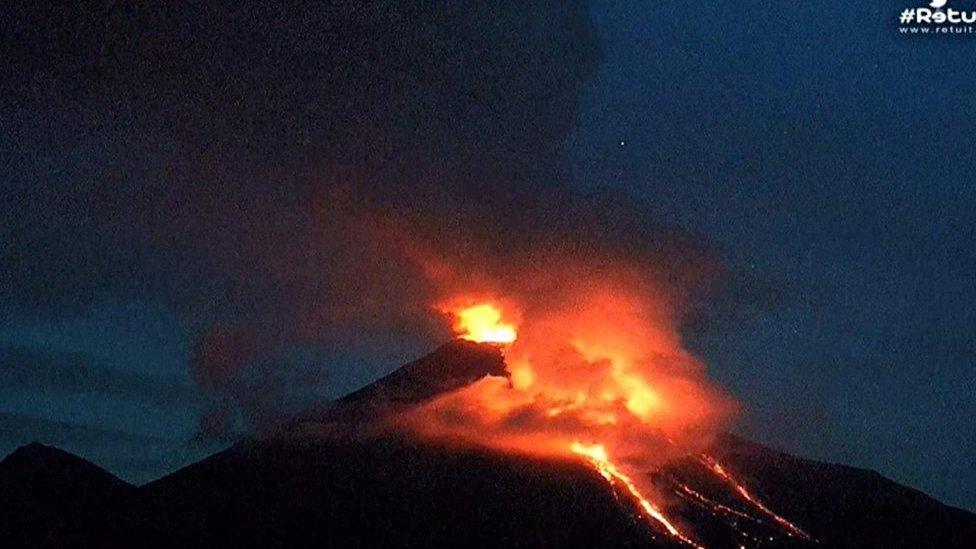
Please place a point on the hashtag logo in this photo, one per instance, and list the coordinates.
(907, 16)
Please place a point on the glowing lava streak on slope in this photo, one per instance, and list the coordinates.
(717, 468)
(597, 456)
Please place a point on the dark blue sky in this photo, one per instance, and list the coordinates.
(824, 157)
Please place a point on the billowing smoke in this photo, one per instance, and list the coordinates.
(220, 356)
(314, 177)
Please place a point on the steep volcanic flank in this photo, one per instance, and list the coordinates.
(839, 506)
(452, 366)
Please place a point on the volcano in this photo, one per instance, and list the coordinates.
(331, 478)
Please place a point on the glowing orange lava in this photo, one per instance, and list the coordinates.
(596, 454)
(483, 323)
(717, 468)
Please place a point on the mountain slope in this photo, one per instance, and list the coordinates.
(452, 366)
(841, 506)
(45, 491)
(382, 493)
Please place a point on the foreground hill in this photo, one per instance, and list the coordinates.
(45, 491)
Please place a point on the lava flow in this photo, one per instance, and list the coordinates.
(717, 468)
(597, 455)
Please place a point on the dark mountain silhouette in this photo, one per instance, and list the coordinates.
(295, 487)
(44, 491)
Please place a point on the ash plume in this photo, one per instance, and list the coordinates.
(403, 151)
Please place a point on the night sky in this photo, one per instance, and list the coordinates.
(164, 171)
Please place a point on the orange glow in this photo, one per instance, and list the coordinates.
(483, 323)
(717, 468)
(601, 363)
(596, 454)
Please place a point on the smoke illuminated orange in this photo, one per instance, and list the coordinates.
(605, 365)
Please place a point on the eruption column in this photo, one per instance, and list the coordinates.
(483, 323)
